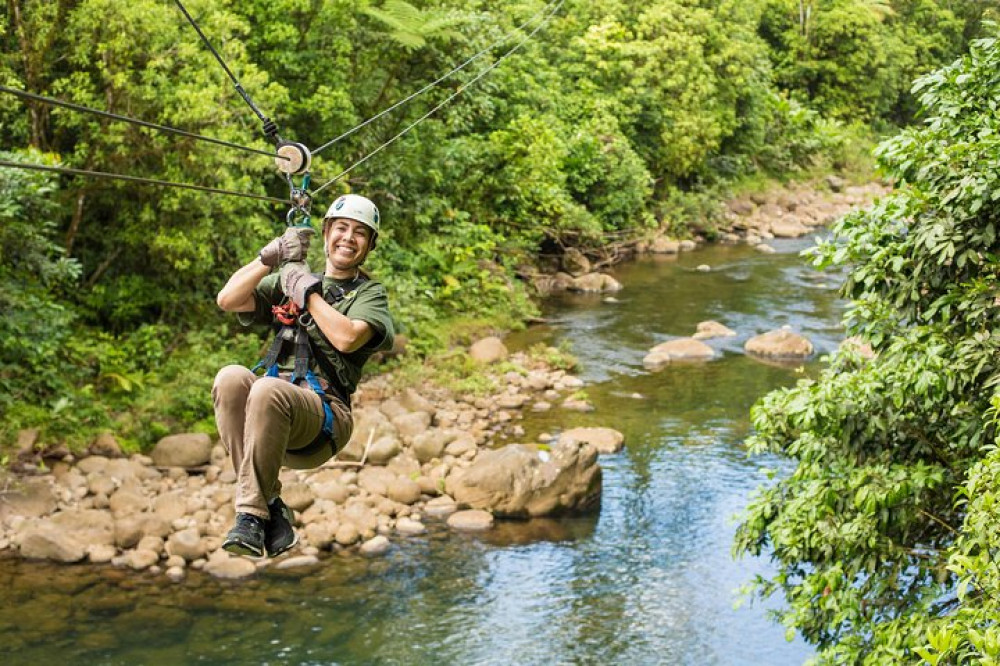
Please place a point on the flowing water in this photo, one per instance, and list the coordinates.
(649, 580)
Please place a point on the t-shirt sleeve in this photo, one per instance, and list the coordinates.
(371, 305)
(266, 294)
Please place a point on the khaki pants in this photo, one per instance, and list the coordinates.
(262, 421)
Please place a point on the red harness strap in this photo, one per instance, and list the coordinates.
(287, 314)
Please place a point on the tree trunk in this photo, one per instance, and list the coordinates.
(37, 114)
(74, 224)
(99, 271)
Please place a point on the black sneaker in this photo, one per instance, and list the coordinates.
(247, 536)
(278, 533)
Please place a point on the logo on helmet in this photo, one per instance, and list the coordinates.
(339, 203)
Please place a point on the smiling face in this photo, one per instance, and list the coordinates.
(347, 243)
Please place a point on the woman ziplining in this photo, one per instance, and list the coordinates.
(327, 327)
(299, 413)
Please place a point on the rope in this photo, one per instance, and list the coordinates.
(400, 103)
(229, 72)
(136, 179)
(455, 94)
(142, 123)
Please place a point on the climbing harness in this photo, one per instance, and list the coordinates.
(292, 327)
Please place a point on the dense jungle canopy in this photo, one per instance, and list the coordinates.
(615, 120)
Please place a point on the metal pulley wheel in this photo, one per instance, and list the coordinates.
(297, 158)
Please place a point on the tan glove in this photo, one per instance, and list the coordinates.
(297, 282)
(293, 245)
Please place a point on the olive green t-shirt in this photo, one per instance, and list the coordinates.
(366, 302)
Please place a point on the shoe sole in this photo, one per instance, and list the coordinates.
(278, 551)
(239, 548)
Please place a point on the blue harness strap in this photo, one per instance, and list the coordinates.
(327, 410)
(302, 371)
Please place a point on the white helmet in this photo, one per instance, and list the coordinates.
(355, 207)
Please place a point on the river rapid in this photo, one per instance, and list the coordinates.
(649, 580)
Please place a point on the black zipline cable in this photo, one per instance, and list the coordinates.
(136, 179)
(455, 94)
(239, 88)
(142, 123)
(430, 85)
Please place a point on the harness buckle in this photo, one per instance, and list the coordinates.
(287, 314)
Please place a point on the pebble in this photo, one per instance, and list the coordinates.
(297, 561)
(471, 520)
(375, 546)
(410, 526)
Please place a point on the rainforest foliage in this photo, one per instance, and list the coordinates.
(615, 118)
(887, 535)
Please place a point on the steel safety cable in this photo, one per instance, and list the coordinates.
(455, 94)
(239, 88)
(432, 84)
(141, 123)
(136, 179)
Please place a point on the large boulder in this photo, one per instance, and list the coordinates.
(682, 349)
(605, 440)
(515, 481)
(489, 350)
(186, 450)
(779, 344)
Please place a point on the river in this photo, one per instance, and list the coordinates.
(650, 580)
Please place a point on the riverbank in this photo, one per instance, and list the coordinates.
(170, 510)
(782, 211)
